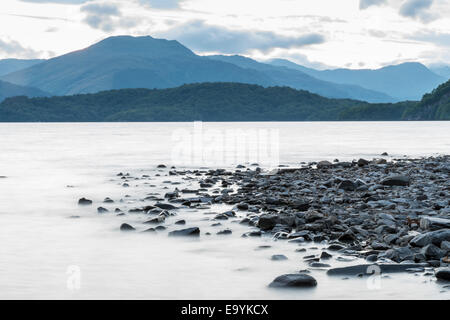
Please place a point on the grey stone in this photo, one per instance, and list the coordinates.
(185, 232)
(294, 281)
(396, 181)
(434, 223)
(443, 274)
(126, 227)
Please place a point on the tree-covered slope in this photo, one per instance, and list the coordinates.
(433, 106)
(206, 101)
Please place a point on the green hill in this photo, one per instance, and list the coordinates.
(433, 106)
(206, 101)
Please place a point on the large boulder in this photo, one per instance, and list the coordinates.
(294, 281)
(396, 181)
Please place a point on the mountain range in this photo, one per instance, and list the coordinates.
(406, 81)
(144, 62)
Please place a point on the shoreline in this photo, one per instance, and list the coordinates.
(393, 214)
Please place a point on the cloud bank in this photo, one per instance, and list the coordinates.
(417, 9)
(14, 48)
(364, 4)
(208, 38)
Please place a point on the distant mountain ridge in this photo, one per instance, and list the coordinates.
(12, 65)
(406, 81)
(10, 90)
(282, 76)
(442, 70)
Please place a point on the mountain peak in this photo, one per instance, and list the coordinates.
(145, 46)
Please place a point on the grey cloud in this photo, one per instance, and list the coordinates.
(162, 4)
(100, 16)
(364, 4)
(417, 9)
(15, 49)
(202, 37)
(377, 33)
(101, 9)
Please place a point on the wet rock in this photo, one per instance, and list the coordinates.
(432, 252)
(445, 245)
(324, 165)
(347, 185)
(165, 206)
(108, 200)
(347, 236)
(362, 162)
(267, 221)
(84, 202)
(325, 255)
(242, 206)
(319, 265)
(434, 223)
(181, 222)
(372, 258)
(102, 210)
(398, 254)
(294, 281)
(185, 232)
(161, 166)
(126, 227)
(443, 274)
(434, 237)
(225, 232)
(278, 257)
(396, 181)
(376, 245)
(367, 268)
(335, 247)
(156, 220)
(254, 234)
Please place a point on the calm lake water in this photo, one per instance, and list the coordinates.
(46, 254)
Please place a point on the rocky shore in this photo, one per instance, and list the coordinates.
(394, 214)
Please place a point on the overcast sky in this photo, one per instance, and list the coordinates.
(317, 33)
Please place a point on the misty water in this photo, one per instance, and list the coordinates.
(48, 167)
